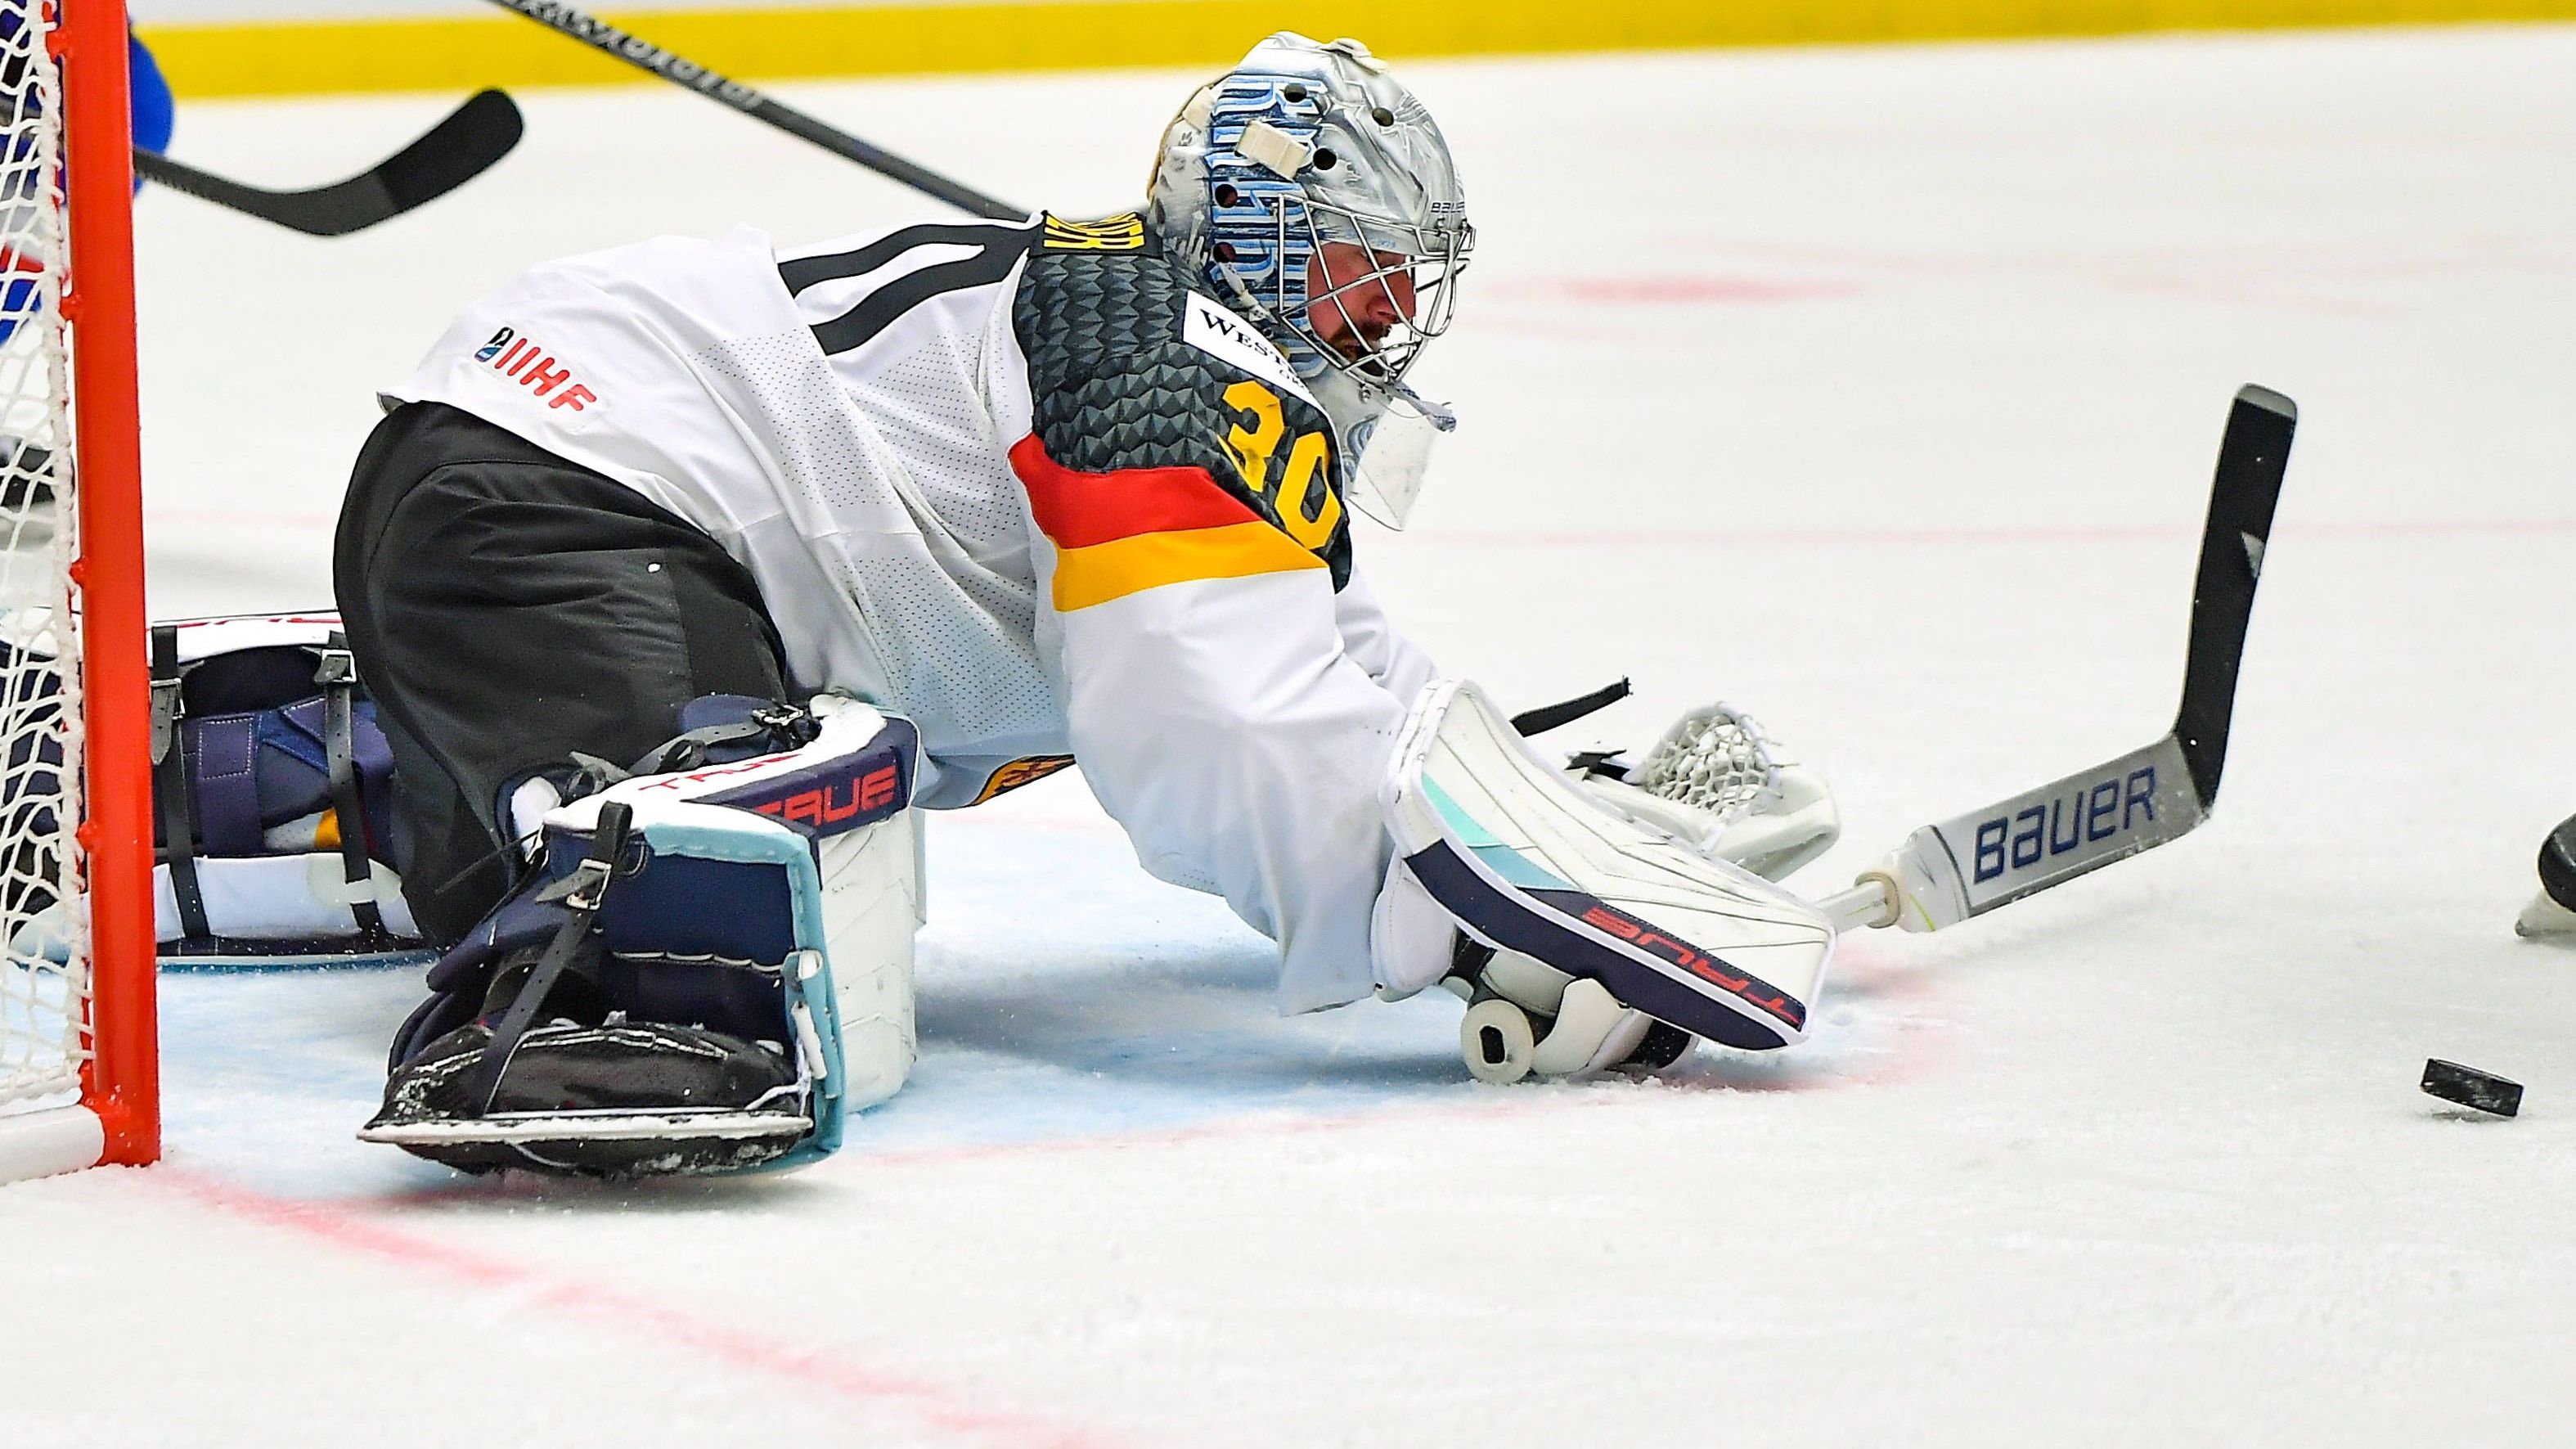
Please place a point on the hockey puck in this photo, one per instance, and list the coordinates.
(2472, 1088)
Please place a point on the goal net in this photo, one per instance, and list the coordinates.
(77, 1078)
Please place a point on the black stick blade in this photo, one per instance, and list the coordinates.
(2253, 457)
(466, 144)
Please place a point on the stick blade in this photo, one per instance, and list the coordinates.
(2255, 394)
(2253, 459)
(453, 152)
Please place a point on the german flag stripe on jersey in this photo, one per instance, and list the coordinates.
(1141, 528)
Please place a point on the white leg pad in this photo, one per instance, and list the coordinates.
(871, 894)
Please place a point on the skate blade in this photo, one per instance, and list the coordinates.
(512, 1129)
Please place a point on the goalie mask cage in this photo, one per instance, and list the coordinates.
(78, 1052)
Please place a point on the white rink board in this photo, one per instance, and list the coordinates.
(1874, 390)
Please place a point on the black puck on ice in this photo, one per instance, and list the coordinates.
(2472, 1088)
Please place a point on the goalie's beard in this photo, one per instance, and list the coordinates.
(1374, 322)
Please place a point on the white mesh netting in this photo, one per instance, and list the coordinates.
(1713, 758)
(43, 1004)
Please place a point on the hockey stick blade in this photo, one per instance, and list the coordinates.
(2253, 458)
(2044, 837)
(474, 136)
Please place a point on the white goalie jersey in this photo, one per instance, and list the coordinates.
(1024, 486)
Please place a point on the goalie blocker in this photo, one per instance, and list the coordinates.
(707, 969)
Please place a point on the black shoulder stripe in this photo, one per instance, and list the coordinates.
(998, 249)
(804, 272)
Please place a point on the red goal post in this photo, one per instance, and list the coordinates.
(79, 1048)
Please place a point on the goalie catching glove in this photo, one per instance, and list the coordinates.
(707, 969)
(1595, 936)
(1723, 786)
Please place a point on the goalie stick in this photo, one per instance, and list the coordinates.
(1966, 866)
(601, 36)
(474, 136)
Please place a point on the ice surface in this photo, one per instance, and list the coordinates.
(1874, 390)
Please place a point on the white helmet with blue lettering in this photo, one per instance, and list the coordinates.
(1300, 147)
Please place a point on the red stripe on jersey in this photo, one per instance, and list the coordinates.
(1078, 510)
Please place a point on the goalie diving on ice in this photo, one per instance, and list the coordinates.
(679, 578)
(1034, 491)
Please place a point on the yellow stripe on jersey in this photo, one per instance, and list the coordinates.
(1101, 572)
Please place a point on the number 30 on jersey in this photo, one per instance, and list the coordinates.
(1307, 506)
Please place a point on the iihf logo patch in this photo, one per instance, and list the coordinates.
(527, 362)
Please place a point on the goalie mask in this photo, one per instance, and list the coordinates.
(1298, 148)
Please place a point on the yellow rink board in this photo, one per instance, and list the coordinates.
(308, 58)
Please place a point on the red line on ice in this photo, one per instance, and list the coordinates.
(1701, 288)
(1901, 537)
(750, 1352)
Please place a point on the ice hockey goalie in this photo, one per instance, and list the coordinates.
(983, 499)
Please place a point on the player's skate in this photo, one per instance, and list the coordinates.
(1590, 929)
(708, 968)
(1724, 785)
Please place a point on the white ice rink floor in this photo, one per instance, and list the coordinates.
(1875, 390)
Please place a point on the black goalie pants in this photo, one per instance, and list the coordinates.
(508, 607)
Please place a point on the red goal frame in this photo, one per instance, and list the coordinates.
(121, 1082)
(118, 1119)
